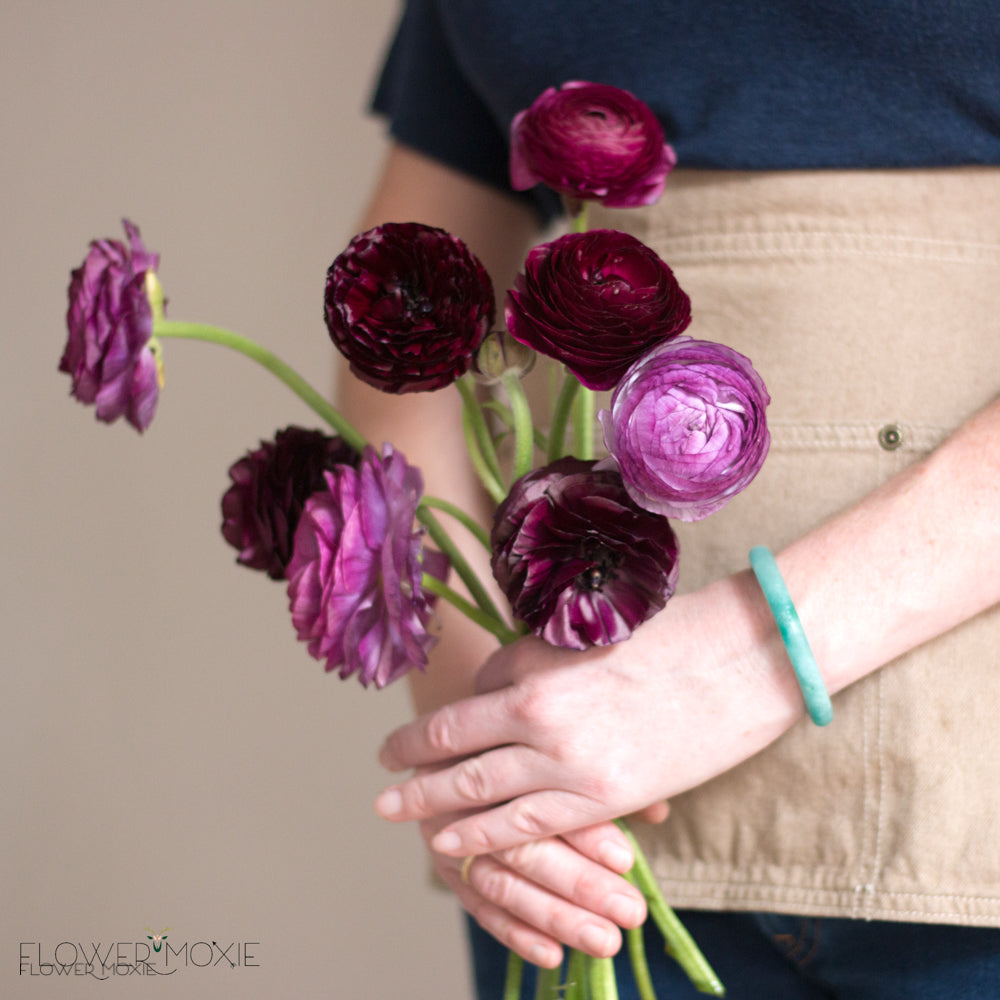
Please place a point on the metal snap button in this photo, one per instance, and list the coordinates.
(890, 437)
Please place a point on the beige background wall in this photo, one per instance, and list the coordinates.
(170, 755)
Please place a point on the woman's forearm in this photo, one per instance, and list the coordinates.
(911, 561)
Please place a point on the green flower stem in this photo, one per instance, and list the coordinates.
(547, 983)
(603, 985)
(680, 944)
(579, 222)
(488, 622)
(291, 378)
(465, 572)
(512, 981)
(490, 482)
(583, 424)
(640, 967)
(473, 412)
(560, 416)
(466, 520)
(505, 414)
(524, 438)
(576, 976)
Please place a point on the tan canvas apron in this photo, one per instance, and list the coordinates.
(870, 304)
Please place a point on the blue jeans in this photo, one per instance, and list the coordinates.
(764, 956)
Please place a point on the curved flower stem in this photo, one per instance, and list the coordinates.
(480, 617)
(524, 439)
(640, 967)
(680, 944)
(466, 520)
(473, 412)
(579, 220)
(466, 573)
(291, 378)
(512, 981)
(601, 975)
(560, 416)
(490, 481)
(583, 424)
(504, 413)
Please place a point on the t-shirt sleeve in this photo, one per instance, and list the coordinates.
(432, 107)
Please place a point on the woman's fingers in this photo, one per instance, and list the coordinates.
(517, 935)
(534, 918)
(529, 817)
(556, 866)
(456, 730)
(473, 783)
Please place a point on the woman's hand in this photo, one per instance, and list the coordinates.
(559, 740)
(522, 895)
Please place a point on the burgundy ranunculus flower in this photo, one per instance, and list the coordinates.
(580, 563)
(408, 305)
(597, 302)
(261, 510)
(110, 322)
(687, 428)
(592, 142)
(354, 580)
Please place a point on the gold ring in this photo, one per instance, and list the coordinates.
(463, 872)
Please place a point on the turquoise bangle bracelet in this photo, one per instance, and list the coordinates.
(804, 664)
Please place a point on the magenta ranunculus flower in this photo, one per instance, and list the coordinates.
(270, 486)
(687, 427)
(596, 301)
(354, 580)
(593, 142)
(110, 322)
(580, 563)
(408, 305)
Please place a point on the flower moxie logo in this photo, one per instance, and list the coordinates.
(157, 938)
(155, 956)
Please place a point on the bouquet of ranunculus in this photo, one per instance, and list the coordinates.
(581, 546)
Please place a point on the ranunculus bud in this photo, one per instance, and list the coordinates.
(687, 428)
(110, 322)
(593, 142)
(498, 354)
(261, 510)
(408, 305)
(354, 580)
(597, 302)
(581, 564)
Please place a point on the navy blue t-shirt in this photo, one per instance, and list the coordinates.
(770, 85)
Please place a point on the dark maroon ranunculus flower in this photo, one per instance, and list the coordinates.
(592, 142)
(581, 564)
(355, 577)
(261, 510)
(597, 302)
(408, 305)
(110, 322)
(687, 427)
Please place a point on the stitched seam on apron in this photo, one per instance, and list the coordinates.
(853, 436)
(783, 241)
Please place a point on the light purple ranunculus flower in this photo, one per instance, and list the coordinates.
(110, 322)
(580, 563)
(354, 579)
(687, 427)
(592, 142)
